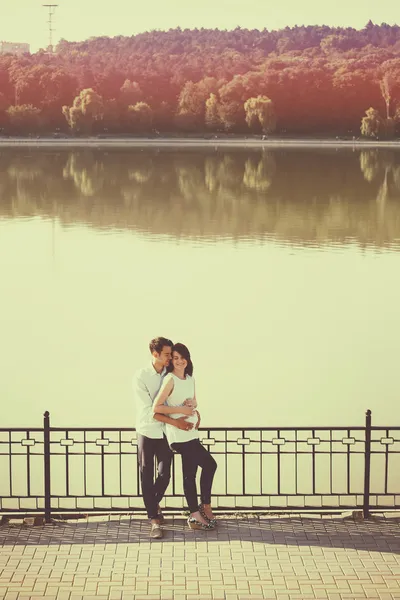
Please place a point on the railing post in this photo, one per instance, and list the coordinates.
(46, 444)
(367, 464)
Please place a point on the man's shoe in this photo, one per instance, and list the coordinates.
(156, 532)
(160, 516)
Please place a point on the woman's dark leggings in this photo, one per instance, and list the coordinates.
(194, 455)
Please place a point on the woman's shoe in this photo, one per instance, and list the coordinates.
(195, 524)
(212, 522)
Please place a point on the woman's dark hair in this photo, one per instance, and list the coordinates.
(184, 352)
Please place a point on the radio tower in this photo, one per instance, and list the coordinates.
(52, 10)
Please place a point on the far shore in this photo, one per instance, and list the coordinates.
(194, 142)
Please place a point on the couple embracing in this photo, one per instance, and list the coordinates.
(167, 421)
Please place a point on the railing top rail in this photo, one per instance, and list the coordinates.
(277, 428)
(23, 429)
(311, 427)
(380, 427)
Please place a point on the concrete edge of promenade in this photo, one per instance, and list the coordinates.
(194, 142)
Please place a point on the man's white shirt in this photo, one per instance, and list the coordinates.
(146, 384)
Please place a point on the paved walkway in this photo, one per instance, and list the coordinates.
(277, 557)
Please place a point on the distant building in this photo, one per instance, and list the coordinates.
(12, 48)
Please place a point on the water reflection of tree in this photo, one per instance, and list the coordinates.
(307, 197)
(381, 166)
(258, 173)
(86, 172)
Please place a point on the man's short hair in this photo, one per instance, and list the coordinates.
(158, 344)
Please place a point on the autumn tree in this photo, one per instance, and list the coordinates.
(24, 118)
(86, 109)
(130, 93)
(113, 119)
(188, 114)
(212, 117)
(260, 112)
(232, 96)
(3, 108)
(192, 100)
(163, 116)
(232, 116)
(338, 43)
(140, 117)
(321, 79)
(384, 85)
(372, 125)
(389, 84)
(3, 101)
(397, 119)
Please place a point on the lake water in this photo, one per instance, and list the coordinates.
(279, 269)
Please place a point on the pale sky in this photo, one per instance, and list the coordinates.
(76, 20)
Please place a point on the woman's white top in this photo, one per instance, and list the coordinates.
(182, 390)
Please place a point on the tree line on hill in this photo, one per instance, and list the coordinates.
(303, 80)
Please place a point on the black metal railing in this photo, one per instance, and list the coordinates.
(55, 470)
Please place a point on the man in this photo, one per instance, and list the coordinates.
(150, 431)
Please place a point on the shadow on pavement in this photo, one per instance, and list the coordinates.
(378, 534)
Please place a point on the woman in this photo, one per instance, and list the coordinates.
(178, 386)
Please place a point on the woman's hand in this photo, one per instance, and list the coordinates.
(198, 419)
(190, 402)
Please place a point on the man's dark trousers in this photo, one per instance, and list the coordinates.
(153, 491)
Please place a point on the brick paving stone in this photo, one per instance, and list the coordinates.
(274, 557)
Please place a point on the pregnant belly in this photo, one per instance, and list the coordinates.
(191, 419)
